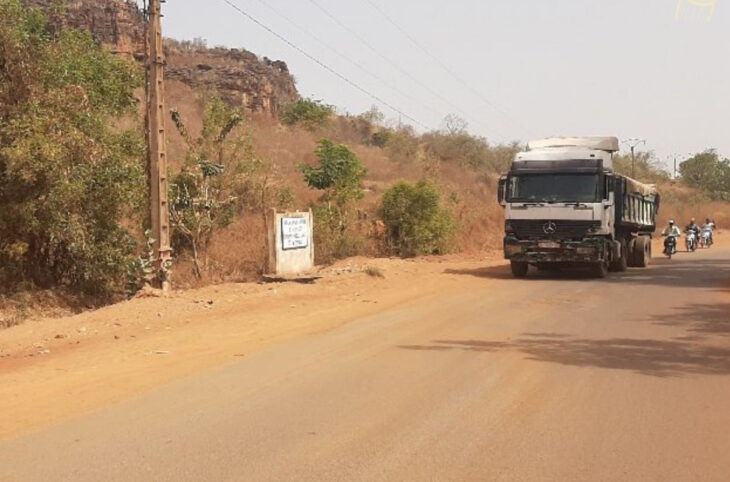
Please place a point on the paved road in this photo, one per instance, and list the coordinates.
(542, 379)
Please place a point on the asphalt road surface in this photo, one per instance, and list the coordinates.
(549, 378)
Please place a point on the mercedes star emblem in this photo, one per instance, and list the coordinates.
(550, 228)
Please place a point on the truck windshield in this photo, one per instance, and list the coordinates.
(553, 188)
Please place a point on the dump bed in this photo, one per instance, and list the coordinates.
(637, 205)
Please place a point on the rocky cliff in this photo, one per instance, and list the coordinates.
(116, 24)
(237, 74)
(259, 85)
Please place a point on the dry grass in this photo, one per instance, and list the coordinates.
(682, 203)
(238, 252)
(34, 303)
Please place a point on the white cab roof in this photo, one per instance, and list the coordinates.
(607, 144)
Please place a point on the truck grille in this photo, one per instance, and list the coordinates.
(543, 229)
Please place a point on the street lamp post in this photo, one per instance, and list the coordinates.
(633, 143)
(675, 157)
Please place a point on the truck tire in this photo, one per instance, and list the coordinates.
(599, 270)
(620, 265)
(631, 253)
(519, 269)
(642, 252)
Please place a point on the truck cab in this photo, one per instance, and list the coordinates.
(565, 206)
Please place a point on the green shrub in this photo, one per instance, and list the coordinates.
(339, 175)
(309, 113)
(68, 183)
(415, 221)
(381, 138)
(402, 145)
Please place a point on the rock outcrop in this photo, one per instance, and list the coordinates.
(239, 76)
(116, 24)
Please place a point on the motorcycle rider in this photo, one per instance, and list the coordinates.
(692, 226)
(671, 232)
(708, 227)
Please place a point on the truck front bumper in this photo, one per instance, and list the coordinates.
(589, 250)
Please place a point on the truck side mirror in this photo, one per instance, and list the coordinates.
(502, 190)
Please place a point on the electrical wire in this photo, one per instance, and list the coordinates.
(445, 67)
(396, 66)
(323, 65)
(349, 60)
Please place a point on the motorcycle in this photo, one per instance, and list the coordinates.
(670, 246)
(706, 239)
(690, 241)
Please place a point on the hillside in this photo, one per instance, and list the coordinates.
(270, 151)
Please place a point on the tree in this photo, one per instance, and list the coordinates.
(402, 144)
(310, 113)
(374, 116)
(205, 193)
(458, 146)
(415, 221)
(453, 124)
(644, 167)
(339, 175)
(707, 172)
(67, 181)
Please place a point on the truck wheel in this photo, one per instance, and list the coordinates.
(620, 265)
(631, 253)
(519, 269)
(642, 251)
(599, 270)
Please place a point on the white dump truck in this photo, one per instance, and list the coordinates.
(565, 207)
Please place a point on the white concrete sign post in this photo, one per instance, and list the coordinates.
(291, 243)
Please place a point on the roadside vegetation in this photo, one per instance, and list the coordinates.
(73, 191)
(339, 175)
(415, 220)
(70, 184)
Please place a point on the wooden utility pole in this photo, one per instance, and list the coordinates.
(159, 214)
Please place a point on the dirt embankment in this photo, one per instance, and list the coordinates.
(53, 369)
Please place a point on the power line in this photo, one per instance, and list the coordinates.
(395, 65)
(347, 59)
(444, 66)
(322, 64)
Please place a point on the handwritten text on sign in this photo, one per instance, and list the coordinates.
(294, 233)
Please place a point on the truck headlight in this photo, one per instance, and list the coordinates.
(586, 250)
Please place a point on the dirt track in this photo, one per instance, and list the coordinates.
(440, 371)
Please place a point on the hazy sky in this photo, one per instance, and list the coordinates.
(519, 68)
